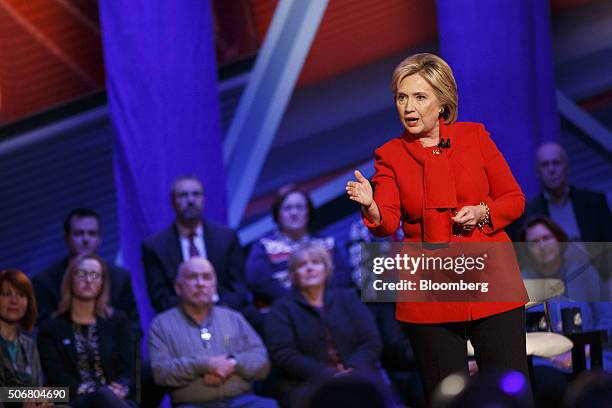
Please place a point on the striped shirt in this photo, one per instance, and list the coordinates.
(179, 355)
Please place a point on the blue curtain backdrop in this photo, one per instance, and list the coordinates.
(161, 80)
(501, 55)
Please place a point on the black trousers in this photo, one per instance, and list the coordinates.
(440, 349)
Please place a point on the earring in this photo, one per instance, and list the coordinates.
(441, 110)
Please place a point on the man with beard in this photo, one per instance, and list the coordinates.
(208, 355)
(192, 236)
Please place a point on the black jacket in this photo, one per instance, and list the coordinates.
(162, 256)
(590, 208)
(296, 339)
(58, 356)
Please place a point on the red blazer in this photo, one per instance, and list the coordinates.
(481, 174)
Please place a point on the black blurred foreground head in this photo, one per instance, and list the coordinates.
(499, 389)
(348, 391)
(591, 389)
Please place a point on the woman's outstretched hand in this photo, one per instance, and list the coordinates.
(360, 190)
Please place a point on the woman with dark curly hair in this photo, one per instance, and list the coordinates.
(548, 254)
(266, 266)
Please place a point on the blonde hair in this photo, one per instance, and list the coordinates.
(102, 308)
(438, 75)
(317, 251)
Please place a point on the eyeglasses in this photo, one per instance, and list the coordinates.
(205, 335)
(92, 275)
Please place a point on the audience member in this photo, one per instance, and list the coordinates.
(87, 345)
(548, 254)
(498, 388)
(19, 361)
(584, 215)
(191, 235)
(82, 236)
(267, 274)
(315, 332)
(207, 354)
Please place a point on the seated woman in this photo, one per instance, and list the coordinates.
(548, 254)
(314, 332)
(19, 361)
(87, 345)
(266, 266)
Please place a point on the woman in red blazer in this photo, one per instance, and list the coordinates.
(446, 182)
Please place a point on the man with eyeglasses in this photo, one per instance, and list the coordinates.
(82, 236)
(207, 354)
(190, 236)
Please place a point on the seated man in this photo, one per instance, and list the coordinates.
(583, 214)
(192, 235)
(82, 236)
(207, 354)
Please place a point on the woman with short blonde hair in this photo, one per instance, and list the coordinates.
(438, 75)
(315, 332)
(315, 251)
(447, 182)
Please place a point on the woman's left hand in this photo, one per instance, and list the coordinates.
(469, 216)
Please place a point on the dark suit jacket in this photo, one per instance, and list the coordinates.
(58, 355)
(47, 287)
(591, 210)
(162, 256)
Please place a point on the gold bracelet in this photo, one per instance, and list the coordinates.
(486, 220)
